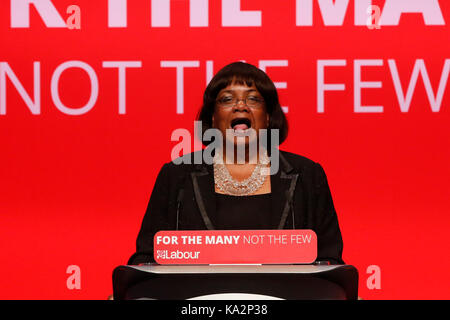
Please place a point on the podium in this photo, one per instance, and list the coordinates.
(235, 282)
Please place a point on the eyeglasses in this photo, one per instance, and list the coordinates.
(250, 101)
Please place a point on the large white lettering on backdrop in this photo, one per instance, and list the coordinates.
(333, 13)
(404, 101)
(434, 93)
(34, 104)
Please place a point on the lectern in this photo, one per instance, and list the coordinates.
(234, 282)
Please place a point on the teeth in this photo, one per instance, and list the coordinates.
(240, 132)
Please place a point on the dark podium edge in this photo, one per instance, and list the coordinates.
(345, 276)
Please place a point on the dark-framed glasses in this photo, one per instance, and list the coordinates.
(251, 101)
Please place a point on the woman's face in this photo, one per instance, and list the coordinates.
(248, 112)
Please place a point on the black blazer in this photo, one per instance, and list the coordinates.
(184, 194)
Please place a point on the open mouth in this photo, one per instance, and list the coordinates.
(241, 124)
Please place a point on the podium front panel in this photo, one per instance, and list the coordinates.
(291, 282)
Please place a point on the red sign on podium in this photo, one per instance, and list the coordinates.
(235, 247)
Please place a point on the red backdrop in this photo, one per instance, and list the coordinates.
(74, 187)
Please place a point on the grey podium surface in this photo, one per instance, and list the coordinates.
(258, 282)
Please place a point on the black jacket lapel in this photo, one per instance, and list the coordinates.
(283, 184)
(203, 184)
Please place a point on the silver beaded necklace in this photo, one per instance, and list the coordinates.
(225, 182)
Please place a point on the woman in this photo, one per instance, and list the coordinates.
(236, 192)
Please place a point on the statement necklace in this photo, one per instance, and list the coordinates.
(225, 182)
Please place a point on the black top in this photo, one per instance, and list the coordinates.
(242, 212)
(183, 198)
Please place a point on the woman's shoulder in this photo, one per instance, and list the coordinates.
(188, 162)
(311, 171)
(298, 161)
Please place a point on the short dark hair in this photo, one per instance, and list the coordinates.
(244, 73)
